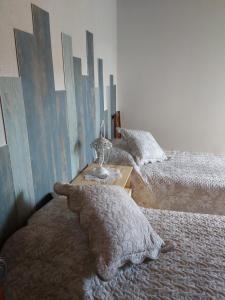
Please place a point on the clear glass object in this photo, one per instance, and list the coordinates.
(101, 145)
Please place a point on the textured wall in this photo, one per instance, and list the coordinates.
(171, 68)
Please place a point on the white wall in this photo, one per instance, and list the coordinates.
(171, 71)
(73, 17)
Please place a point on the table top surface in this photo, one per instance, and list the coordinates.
(121, 181)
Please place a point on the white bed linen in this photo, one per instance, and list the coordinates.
(191, 182)
(49, 259)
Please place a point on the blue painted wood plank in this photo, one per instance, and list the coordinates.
(34, 57)
(91, 84)
(106, 119)
(111, 90)
(17, 139)
(114, 107)
(88, 121)
(112, 103)
(71, 101)
(81, 112)
(63, 140)
(101, 88)
(109, 122)
(113, 97)
(41, 27)
(2, 130)
(8, 213)
(97, 109)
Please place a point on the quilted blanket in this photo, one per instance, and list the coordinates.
(191, 182)
(49, 259)
(187, 168)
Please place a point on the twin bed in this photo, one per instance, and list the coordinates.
(183, 181)
(50, 257)
(191, 182)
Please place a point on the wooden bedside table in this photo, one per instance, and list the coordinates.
(123, 180)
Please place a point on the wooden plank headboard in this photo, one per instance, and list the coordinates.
(48, 132)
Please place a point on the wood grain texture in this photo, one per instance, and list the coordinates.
(82, 113)
(49, 133)
(101, 88)
(112, 104)
(63, 141)
(71, 102)
(17, 137)
(8, 213)
(2, 130)
(34, 56)
(123, 180)
(109, 118)
(114, 110)
(88, 121)
(106, 119)
(91, 85)
(97, 109)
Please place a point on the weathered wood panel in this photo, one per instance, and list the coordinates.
(114, 109)
(112, 95)
(106, 119)
(81, 112)
(101, 88)
(109, 122)
(63, 141)
(71, 101)
(36, 70)
(91, 84)
(8, 215)
(17, 140)
(112, 103)
(98, 119)
(87, 119)
(2, 130)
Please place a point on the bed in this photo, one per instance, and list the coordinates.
(185, 181)
(49, 259)
(191, 182)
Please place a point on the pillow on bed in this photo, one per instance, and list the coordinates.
(118, 231)
(118, 156)
(142, 146)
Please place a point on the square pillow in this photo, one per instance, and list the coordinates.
(118, 231)
(118, 156)
(142, 146)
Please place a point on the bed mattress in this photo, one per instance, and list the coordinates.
(49, 259)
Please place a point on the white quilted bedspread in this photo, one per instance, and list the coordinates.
(192, 182)
(199, 169)
(49, 259)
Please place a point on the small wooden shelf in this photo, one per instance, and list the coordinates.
(123, 180)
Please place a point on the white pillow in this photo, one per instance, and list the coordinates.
(118, 231)
(142, 146)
